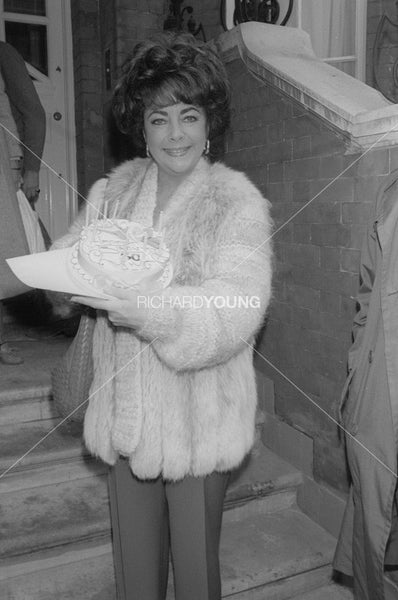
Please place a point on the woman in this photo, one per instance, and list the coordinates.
(174, 405)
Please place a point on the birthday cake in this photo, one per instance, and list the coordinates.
(109, 252)
(122, 253)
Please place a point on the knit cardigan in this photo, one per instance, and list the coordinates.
(178, 395)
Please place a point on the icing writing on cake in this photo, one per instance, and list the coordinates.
(122, 253)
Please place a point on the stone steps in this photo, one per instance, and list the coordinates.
(55, 533)
(263, 555)
(55, 527)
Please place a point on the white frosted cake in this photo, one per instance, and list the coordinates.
(109, 252)
(122, 253)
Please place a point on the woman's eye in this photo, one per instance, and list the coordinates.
(191, 118)
(158, 121)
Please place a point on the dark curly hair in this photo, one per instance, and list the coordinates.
(165, 70)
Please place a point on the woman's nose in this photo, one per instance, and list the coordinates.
(176, 132)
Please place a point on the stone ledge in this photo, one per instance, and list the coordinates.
(283, 57)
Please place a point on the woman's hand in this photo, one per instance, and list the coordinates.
(125, 308)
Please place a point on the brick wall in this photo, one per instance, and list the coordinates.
(88, 102)
(104, 29)
(320, 206)
(135, 21)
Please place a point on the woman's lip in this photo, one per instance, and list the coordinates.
(176, 151)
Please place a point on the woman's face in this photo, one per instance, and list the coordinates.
(176, 136)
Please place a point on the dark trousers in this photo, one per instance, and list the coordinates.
(391, 558)
(149, 517)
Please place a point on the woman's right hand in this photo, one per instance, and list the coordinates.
(62, 305)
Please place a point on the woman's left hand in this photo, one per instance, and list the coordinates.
(125, 308)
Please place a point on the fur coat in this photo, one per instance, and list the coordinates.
(178, 396)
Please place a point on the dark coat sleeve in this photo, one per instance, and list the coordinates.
(27, 109)
(366, 281)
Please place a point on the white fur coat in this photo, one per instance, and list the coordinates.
(178, 396)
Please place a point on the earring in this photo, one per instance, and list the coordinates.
(147, 151)
(207, 147)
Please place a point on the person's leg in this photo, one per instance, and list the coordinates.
(195, 514)
(139, 535)
(8, 355)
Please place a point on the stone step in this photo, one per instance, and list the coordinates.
(327, 592)
(51, 515)
(38, 442)
(25, 390)
(264, 555)
(65, 501)
(79, 572)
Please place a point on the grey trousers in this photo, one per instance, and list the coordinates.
(151, 517)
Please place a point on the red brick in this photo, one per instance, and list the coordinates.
(330, 235)
(342, 190)
(330, 258)
(331, 166)
(356, 212)
(327, 143)
(302, 147)
(332, 368)
(258, 175)
(282, 311)
(279, 287)
(323, 212)
(303, 168)
(301, 233)
(306, 318)
(330, 303)
(302, 254)
(279, 192)
(283, 211)
(375, 162)
(275, 132)
(304, 379)
(281, 151)
(300, 126)
(279, 251)
(350, 260)
(302, 296)
(334, 325)
(309, 276)
(275, 172)
(283, 232)
(357, 237)
(301, 191)
(334, 348)
(345, 283)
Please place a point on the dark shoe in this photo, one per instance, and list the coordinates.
(9, 356)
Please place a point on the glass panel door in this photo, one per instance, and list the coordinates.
(25, 27)
(30, 39)
(26, 7)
